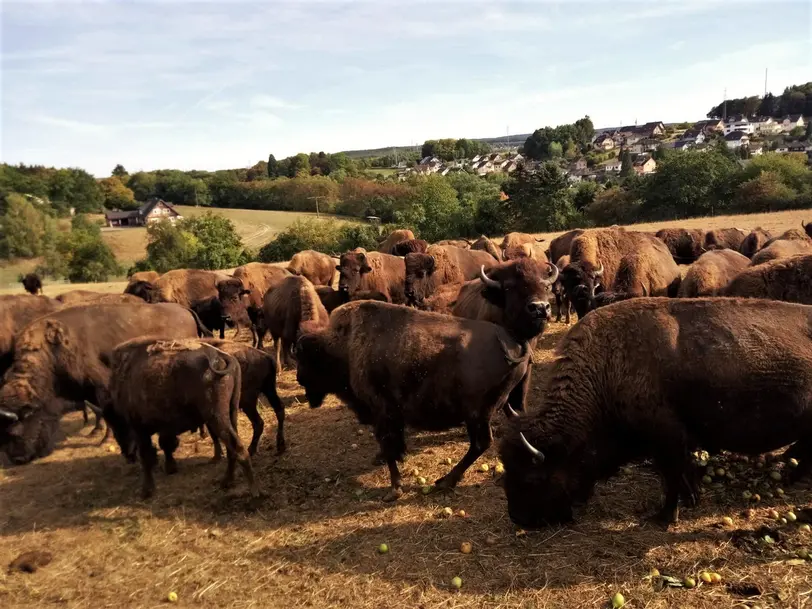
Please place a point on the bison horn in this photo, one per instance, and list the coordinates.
(487, 280)
(804, 225)
(643, 287)
(8, 417)
(599, 272)
(541, 240)
(537, 454)
(511, 414)
(553, 273)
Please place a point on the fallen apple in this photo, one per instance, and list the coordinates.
(383, 548)
(172, 597)
(618, 601)
(456, 582)
(466, 547)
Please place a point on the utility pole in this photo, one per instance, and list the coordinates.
(765, 81)
(724, 107)
(317, 203)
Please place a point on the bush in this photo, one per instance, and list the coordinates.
(613, 206)
(81, 254)
(25, 231)
(326, 236)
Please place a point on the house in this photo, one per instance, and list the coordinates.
(683, 144)
(791, 121)
(738, 123)
(800, 147)
(579, 165)
(604, 142)
(483, 167)
(644, 164)
(710, 125)
(152, 211)
(613, 165)
(765, 125)
(756, 149)
(430, 160)
(737, 139)
(694, 135)
(515, 157)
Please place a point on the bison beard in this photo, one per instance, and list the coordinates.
(445, 372)
(659, 378)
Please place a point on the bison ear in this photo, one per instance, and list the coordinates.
(55, 333)
(338, 267)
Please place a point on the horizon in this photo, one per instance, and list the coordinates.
(194, 85)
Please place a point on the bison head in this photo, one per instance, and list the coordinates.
(542, 481)
(419, 277)
(351, 268)
(581, 281)
(145, 290)
(319, 372)
(485, 244)
(32, 283)
(28, 434)
(519, 287)
(230, 293)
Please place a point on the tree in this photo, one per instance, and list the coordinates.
(143, 185)
(540, 200)
(25, 231)
(555, 151)
(433, 209)
(81, 255)
(257, 172)
(764, 193)
(626, 165)
(614, 206)
(798, 132)
(220, 245)
(169, 247)
(119, 172)
(792, 169)
(298, 165)
(76, 188)
(273, 167)
(116, 195)
(808, 132)
(585, 193)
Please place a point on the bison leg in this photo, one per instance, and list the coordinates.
(168, 443)
(480, 437)
(674, 468)
(98, 427)
(559, 303)
(225, 429)
(258, 425)
(567, 308)
(222, 331)
(390, 433)
(148, 456)
(218, 450)
(802, 451)
(279, 411)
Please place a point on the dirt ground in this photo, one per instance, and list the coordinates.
(313, 539)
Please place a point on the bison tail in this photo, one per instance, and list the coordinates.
(202, 330)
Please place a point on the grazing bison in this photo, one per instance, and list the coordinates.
(82, 297)
(486, 245)
(460, 243)
(168, 387)
(441, 265)
(396, 236)
(782, 249)
(409, 246)
(788, 279)
(372, 272)
(514, 239)
(710, 275)
(621, 262)
(445, 371)
(148, 276)
(791, 234)
(753, 242)
(258, 377)
(291, 308)
(32, 283)
(16, 312)
(562, 300)
(724, 239)
(560, 246)
(318, 268)
(685, 244)
(332, 299)
(64, 357)
(658, 378)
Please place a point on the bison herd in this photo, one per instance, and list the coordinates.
(665, 359)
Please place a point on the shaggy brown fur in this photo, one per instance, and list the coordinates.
(150, 276)
(536, 251)
(82, 297)
(318, 268)
(64, 357)
(788, 279)
(407, 247)
(807, 228)
(258, 377)
(16, 312)
(291, 308)
(710, 275)
(485, 244)
(657, 378)
(445, 372)
(791, 234)
(259, 278)
(168, 387)
(461, 243)
(373, 272)
(444, 298)
(684, 244)
(394, 237)
(332, 299)
(560, 246)
(514, 239)
(32, 283)
(782, 249)
(724, 239)
(441, 265)
(562, 300)
(754, 242)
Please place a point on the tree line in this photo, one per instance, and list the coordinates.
(796, 99)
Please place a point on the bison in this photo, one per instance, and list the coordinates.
(64, 357)
(514, 239)
(788, 279)
(441, 265)
(445, 372)
(560, 246)
(82, 297)
(318, 268)
(535, 251)
(460, 243)
(32, 283)
(656, 379)
(291, 308)
(724, 239)
(212, 315)
(16, 312)
(710, 275)
(685, 244)
(167, 387)
(620, 261)
(782, 249)
(486, 245)
(807, 228)
(754, 242)
(409, 246)
(332, 298)
(396, 236)
(562, 301)
(372, 272)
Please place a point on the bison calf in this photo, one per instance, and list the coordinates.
(168, 387)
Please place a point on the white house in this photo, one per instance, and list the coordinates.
(738, 123)
(737, 139)
(611, 165)
(765, 125)
(791, 121)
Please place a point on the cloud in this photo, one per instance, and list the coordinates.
(270, 102)
(676, 45)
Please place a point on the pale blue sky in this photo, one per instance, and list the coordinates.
(211, 85)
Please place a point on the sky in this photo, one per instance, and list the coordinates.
(213, 85)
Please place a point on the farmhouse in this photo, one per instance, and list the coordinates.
(644, 164)
(153, 210)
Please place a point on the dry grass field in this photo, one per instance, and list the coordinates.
(312, 540)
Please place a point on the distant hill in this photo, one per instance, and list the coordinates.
(498, 142)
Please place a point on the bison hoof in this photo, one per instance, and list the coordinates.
(216, 458)
(171, 468)
(393, 494)
(445, 483)
(147, 492)
(95, 432)
(281, 448)
(665, 517)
